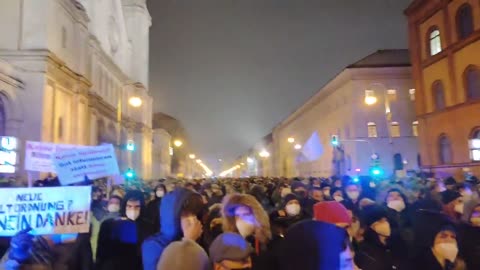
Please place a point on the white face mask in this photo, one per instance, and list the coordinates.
(459, 208)
(113, 208)
(382, 228)
(326, 193)
(338, 198)
(132, 214)
(353, 194)
(159, 193)
(447, 251)
(285, 192)
(293, 209)
(397, 205)
(372, 184)
(245, 228)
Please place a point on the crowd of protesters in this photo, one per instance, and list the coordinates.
(267, 223)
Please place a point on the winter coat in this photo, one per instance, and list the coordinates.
(153, 213)
(281, 222)
(470, 245)
(374, 255)
(170, 227)
(120, 239)
(312, 245)
(428, 261)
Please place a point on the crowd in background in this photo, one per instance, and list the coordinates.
(266, 223)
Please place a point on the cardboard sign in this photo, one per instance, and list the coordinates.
(39, 155)
(55, 210)
(93, 162)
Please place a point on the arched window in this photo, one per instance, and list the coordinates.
(398, 162)
(464, 21)
(474, 144)
(472, 82)
(415, 128)
(444, 150)
(395, 129)
(372, 130)
(435, 42)
(438, 95)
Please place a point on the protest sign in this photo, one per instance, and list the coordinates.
(39, 155)
(55, 210)
(93, 162)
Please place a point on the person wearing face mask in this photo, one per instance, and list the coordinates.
(453, 204)
(120, 239)
(244, 215)
(326, 191)
(353, 197)
(152, 208)
(289, 214)
(470, 235)
(436, 236)
(398, 216)
(337, 194)
(113, 209)
(376, 252)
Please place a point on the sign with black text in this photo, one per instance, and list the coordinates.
(55, 210)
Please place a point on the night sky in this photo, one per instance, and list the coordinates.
(230, 70)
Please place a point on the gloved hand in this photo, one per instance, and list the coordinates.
(21, 245)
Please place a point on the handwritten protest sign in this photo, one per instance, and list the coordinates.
(93, 162)
(39, 155)
(55, 210)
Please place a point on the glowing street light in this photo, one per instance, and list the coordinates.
(178, 143)
(199, 161)
(298, 146)
(250, 160)
(370, 97)
(135, 101)
(291, 140)
(264, 153)
(192, 156)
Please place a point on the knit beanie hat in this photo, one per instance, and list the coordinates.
(331, 212)
(184, 255)
(288, 198)
(372, 213)
(427, 224)
(298, 184)
(449, 196)
(450, 181)
(229, 246)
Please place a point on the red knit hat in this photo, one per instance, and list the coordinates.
(331, 212)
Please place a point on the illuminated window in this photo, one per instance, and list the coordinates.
(411, 92)
(438, 95)
(394, 129)
(464, 21)
(372, 130)
(472, 83)
(435, 42)
(444, 150)
(415, 128)
(474, 144)
(392, 94)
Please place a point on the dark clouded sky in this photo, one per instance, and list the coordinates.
(230, 70)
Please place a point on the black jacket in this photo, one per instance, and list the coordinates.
(373, 255)
(427, 261)
(470, 246)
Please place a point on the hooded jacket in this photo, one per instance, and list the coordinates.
(170, 227)
(312, 245)
(470, 244)
(119, 241)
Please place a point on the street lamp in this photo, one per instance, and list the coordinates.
(178, 143)
(370, 99)
(264, 153)
(191, 156)
(291, 140)
(298, 146)
(250, 160)
(135, 101)
(199, 161)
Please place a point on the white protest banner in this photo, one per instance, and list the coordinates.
(54, 210)
(93, 162)
(39, 155)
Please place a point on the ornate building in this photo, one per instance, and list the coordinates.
(445, 50)
(79, 67)
(369, 106)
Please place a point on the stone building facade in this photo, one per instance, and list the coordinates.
(77, 64)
